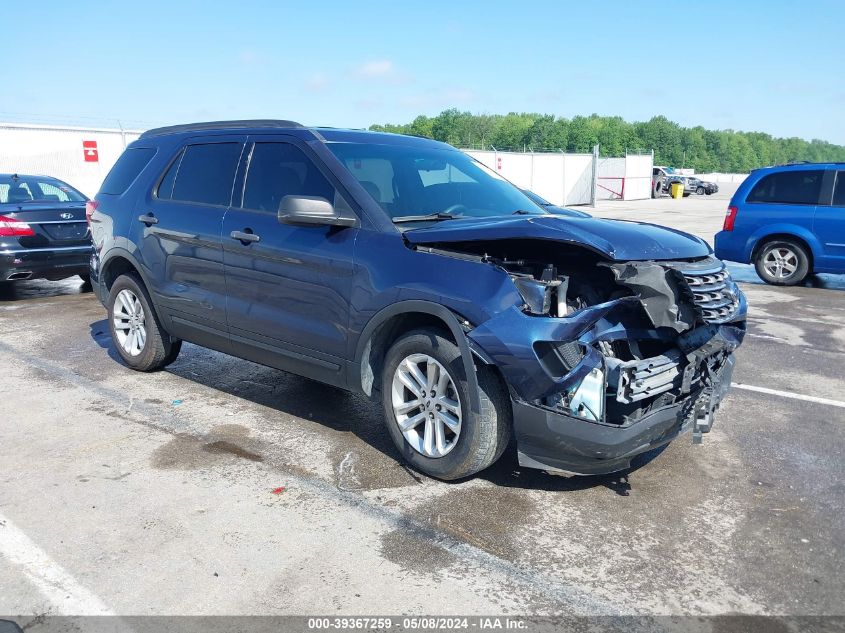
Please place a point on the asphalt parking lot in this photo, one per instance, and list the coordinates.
(222, 487)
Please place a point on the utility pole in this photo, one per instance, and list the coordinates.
(122, 133)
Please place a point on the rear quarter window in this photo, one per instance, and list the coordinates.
(788, 187)
(126, 169)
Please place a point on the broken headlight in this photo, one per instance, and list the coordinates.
(544, 296)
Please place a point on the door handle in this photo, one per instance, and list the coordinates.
(148, 219)
(245, 237)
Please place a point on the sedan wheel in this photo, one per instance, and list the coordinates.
(130, 323)
(426, 405)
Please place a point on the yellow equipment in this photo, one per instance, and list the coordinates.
(677, 190)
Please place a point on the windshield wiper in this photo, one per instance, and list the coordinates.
(423, 218)
(523, 212)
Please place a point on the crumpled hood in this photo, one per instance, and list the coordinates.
(619, 240)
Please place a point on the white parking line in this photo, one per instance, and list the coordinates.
(55, 584)
(789, 394)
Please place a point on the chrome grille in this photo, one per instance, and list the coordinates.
(714, 293)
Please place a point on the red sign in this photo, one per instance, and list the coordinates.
(89, 149)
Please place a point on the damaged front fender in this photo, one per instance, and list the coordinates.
(511, 340)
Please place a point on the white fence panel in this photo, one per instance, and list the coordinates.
(548, 177)
(638, 170)
(58, 152)
(567, 179)
(722, 177)
(610, 179)
(578, 179)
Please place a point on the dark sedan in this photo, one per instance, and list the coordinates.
(705, 187)
(553, 208)
(43, 230)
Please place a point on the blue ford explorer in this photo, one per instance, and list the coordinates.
(402, 268)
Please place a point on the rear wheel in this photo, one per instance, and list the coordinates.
(427, 407)
(782, 263)
(136, 332)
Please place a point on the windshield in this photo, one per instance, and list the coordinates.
(25, 189)
(418, 181)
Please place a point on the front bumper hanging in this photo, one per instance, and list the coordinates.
(671, 393)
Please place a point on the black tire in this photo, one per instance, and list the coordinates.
(86, 283)
(784, 246)
(483, 437)
(158, 346)
(173, 354)
(657, 188)
(699, 191)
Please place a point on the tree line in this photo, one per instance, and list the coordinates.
(696, 147)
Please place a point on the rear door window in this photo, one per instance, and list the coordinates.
(277, 170)
(126, 169)
(206, 173)
(839, 190)
(788, 187)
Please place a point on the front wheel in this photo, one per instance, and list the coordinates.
(427, 407)
(699, 191)
(137, 335)
(782, 263)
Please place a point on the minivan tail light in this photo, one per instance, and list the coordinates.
(730, 218)
(90, 207)
(10, 227)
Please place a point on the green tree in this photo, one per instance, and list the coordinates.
(701, 149)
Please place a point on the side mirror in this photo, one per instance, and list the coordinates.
(313, 210)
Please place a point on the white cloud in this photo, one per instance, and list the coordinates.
(318, 82)
(376, 68)
(251, 57)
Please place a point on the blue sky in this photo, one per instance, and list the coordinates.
(777, 67)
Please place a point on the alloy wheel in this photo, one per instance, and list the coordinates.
(780, 262)
(130, 325)
(426, 405)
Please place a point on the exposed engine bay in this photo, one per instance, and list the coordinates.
(645, 336)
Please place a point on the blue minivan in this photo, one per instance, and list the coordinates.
(789, 221)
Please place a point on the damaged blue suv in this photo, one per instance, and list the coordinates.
(401, 268)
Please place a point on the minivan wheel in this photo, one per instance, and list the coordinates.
(427, 411)
(782, 263)
(137, 335)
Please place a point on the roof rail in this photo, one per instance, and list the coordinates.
(810, 162)
(221, 125)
